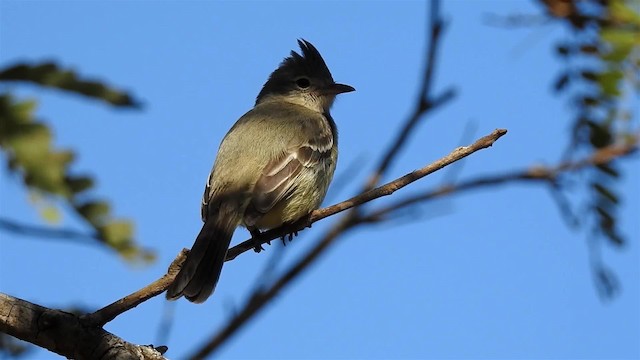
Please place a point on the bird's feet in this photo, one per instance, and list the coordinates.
(302, 221)
(289, 237)
(257, 244)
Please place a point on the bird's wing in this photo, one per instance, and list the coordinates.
(279, 176)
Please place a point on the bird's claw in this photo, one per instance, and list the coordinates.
(289, 236)
(257, 245)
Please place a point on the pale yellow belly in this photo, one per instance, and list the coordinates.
(308, 195)
(274, 218)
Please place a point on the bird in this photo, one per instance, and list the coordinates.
(273, 166)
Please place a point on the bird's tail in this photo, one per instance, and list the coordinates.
(201, 270)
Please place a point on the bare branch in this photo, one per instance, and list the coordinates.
(111, 311)
(425, 101)
(42, 231)
(534, 174)
(384, 190)
(65, 334)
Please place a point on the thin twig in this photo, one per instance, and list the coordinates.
(535, 174)
(425, 101)
(384, 190)
(111, 311)
(42, 231)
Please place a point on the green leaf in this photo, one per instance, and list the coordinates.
(13, 115)
(95, 212)
(609, 82)
(620, 37)
(50, 75)
(620, 43)
(45, 206)
(50, 214)
(117, 233)
(78, 184)
(623, 13)
(600, 135)
(45, 170)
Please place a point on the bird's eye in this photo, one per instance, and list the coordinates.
(303, 83)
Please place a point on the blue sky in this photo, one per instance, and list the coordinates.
(489, 274)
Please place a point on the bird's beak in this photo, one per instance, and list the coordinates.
(335, 89)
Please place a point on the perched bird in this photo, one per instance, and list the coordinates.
(273, 167)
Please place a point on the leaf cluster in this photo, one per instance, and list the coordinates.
(45, 170)
(602, 81)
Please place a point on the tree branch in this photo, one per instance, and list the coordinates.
(65, 334)
(533, 174)
(384, 190)
(111, 311)
(42, 231)
(425, 103)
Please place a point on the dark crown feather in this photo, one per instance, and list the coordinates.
(309, 64)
